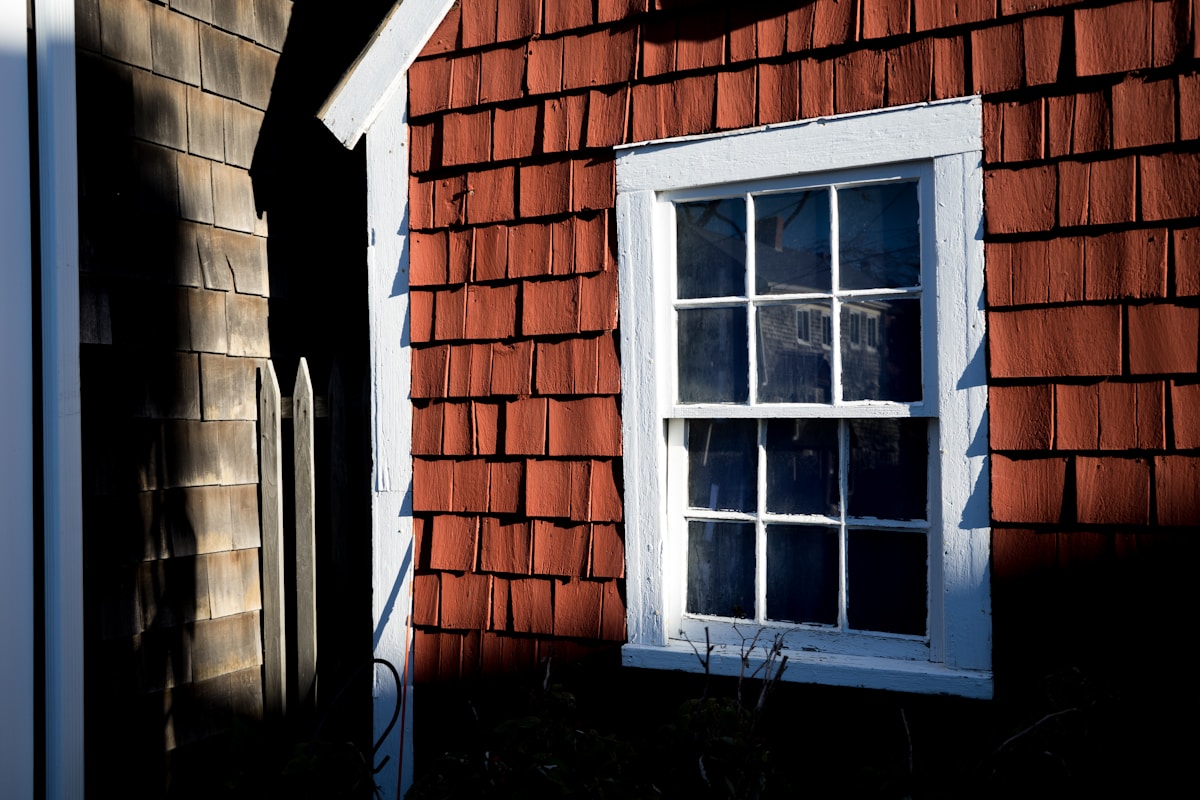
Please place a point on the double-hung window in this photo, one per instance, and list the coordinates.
(804, 399)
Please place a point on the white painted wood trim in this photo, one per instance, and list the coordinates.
(946, 138)
(381, 68)
(866, 139)
(62, 494)
(17, 599)
(391, 414)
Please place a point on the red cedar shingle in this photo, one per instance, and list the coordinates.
(529, 250)
(564, 16)
(1074, 184)
(1189, 107)
(993, 133)
(565, 367)
(593, 183)
(485, 427)
(464, 80)
(480, 377)
(545, 189)
(1143, 112)
(1177, 490)
(743, 41)
(466, 138)
(490, 261)
(1043, 38)
(1064, 258)
(816, 87)
(491, 311)
(860, 80)
(613, 10)
(1185, 415)
(1021, 417)
(1060, 118)
(1022, 200)
(1112, 191)
(1113, 38)
(525, 426)
(1092, 124)
(1118, 416)
(425, 599)
(931, 14)
(1029, 273)
(577, 609)
(457, 438)
(598, 301)
(550, 307)
(499, 617)
(735, 98)
(560, 550)
(433, 484)
(1151, 415)
(430, 368)
(512, 368)
(688, 106)
(605, 497)
(461, 262)
(447, 37)
(450, 201)
(1187, 261)
(885, 18)
(470, 485)
(800, 23)
(429, 86)
(1051, 342)
(778, 92)
(472, 646)
(770, 34)
(428, 254)
(1112, 490)
(646, 111)
(612, 613)
(531, 606)
(599, 58)
(458, 377)
(1076, 417)
(420, 203)
(548, 488)
(479, 23)
(449, 656)
(701, 43)
(520, 20)
(997, 59)
(1126, 264)
(592, 253)
(835, 22)
(607, 117)
(608, 552)
(1027, 491)
(501, 74)
(1024, 131)
(420, 316)
(562, 235)
(608, 368)
(999, 257)
(505, 547)
(1171, 28)
(450, 314)
(544, 66)
(949, 67)
(425, 656)
(1163, 338)
(586, 426)
(516, 132)
(506, 487)
(452, 543)
(421, 138)
(427, 429)
(910, 73)
(492, 195)
(1170, 184)
(658, 46)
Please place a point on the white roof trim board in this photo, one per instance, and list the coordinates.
(371, 81)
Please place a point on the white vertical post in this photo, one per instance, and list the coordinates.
(54, 27)
(16, 414)
(270, 484)
(391, 410)
(306, 539)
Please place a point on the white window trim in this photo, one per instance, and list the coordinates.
(947, 136)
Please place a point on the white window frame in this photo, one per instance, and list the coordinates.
(943, 141)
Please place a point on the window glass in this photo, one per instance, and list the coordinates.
(887, 581)
(880, 245)
(802, 466)
(792, 243)
(793, 369)
(888, 372)
(713, 355)
(722, 464)
(721, 568)
(711, 248)
(802, 574)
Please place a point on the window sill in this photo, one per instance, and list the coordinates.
(863, 672)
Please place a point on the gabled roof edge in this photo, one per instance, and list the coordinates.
(373, 77)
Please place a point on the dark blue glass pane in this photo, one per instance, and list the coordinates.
(720, 568)
(722, 464)
(802, 466)
(802, 574)
(887, 581)
(710, 248)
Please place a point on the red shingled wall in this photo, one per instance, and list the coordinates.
(1092, 179)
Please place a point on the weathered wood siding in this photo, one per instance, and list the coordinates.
(174, 295)
(1092, 189)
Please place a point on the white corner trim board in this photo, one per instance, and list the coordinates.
(381, 67)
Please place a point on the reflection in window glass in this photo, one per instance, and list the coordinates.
(802, 466)
(722, 464)
(713, 357)
(891, 371)
(711, 248)
(720, 577)
(792, 248)
(880, 238)
(802, 574)
(888, 470)
(791, 369)
(887, 579)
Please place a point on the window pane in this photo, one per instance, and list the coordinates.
(802, 574)
(881, 350)
(721, 568)
(792, 242)
(722, 464)
(793, 354)
(880, 244)
(888, 468)
(886, 581)
(713, 358)
(802, 466)
(711, 248)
